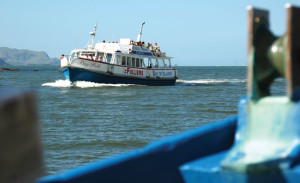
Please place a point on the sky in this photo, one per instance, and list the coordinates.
(194, 32)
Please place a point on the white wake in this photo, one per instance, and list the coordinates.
(81, 84)
(211, 81)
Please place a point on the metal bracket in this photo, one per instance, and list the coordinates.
(271, 56)
(268, 133)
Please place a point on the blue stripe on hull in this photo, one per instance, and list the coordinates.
(66, 73)
(75, 74)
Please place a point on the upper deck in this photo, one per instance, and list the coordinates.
(126, 47)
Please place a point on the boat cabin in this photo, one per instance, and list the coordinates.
(123, 54)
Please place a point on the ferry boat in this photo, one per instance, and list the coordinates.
(126, 62)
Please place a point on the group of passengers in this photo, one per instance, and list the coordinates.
(109, 41)
(154, 49)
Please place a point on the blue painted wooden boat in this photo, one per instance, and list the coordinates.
(157, 162)
(260, 144)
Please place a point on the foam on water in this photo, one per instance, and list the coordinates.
(87, 84)
(211, 81)
(81, 84)
(59, 83)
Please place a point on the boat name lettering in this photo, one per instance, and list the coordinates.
(94, 64)
(134, 72)
(162, 73)
(82, 62)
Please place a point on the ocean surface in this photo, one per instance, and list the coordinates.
(86, 122)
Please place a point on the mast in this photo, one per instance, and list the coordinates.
(140, 34)
(91, 46)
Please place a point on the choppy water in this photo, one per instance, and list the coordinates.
(84, 122)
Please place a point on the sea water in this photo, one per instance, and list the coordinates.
(84, 122)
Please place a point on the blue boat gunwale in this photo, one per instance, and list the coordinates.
(158, 161)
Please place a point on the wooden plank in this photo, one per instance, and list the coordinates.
(293, 52)
(256, 17)
(21, 152)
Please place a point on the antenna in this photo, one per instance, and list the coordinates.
(140, 34)
(91, 46)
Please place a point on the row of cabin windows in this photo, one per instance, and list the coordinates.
(152, 63)
(124, 60)
(139, 62)
(132, 62)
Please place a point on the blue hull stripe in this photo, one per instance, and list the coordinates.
(75, 74)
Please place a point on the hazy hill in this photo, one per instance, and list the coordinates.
(3, 63)
(25, 57)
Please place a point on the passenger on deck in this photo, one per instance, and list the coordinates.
(134, 43)
(150, 47)
(62, 56)
(158, 52)
(63, 60)
(103, 41)
(156, 47)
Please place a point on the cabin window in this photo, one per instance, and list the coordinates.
(129, 61)
(77, 54)
(133, 62)
(88, 55)
(154, 63)
(149, 63)
(113, 59)
(100, 56)
(142, 63)
(118, 59)
(108, 58)
(81, 55)
(168, 63)
(123, 60)
(161, 63)
(138, 62)
(73, 55)
(92, 56)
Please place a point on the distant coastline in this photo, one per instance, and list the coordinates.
(8, 69)
(10, 57)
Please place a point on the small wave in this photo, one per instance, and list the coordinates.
(211, 81)
(87, 84)
(81, 84)
(59, 83)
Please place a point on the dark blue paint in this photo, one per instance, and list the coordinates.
(142, 53)
(157, 162)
